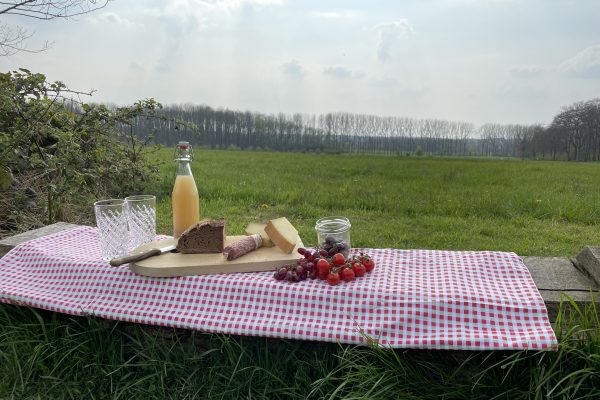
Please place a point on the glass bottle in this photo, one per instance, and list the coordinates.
(185, 200)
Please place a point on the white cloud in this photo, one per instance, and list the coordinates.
(522, 92)
(390, 34)
(333, 14)
(293, 69)
(136, 67)
(585, 64)
(112, 18)
(204, 13)
(393, 84)
(339, 71)
(526, 71)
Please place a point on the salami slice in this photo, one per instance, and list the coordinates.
(243, 246)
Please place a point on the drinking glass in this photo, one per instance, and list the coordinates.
(141, 216)
(112, 227)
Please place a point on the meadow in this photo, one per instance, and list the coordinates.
(531, 208)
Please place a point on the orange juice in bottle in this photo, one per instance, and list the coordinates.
(185, 200)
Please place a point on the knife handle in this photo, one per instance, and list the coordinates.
(115, 262)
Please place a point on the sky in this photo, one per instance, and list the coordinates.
(479, 61)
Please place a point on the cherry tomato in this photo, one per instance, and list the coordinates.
(323, 266)
(333, 278)
(368, 263)
(347, 274)
(359, 269)
(338, 259)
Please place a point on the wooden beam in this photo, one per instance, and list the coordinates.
(556, 277)
(8, 243)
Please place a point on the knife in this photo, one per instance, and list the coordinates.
(115, 262)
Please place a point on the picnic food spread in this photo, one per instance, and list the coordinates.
(208, 236)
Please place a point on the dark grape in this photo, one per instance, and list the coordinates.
(294, 277)
(330, 240)
(289, 276)
(278, 276)
(323, 253)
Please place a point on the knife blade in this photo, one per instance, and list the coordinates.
(115, 262)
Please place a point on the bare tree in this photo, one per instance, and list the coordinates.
(13, 38)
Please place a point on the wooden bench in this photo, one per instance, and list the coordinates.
(578, 278)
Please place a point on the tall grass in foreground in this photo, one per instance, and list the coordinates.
(48, 355)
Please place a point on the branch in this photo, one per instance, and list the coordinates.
(14, 6)
(51, 9)
(12, 39)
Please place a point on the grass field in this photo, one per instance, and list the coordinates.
(532, 208)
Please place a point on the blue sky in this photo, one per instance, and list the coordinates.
(505, 61)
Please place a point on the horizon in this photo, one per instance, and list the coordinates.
(498, 61)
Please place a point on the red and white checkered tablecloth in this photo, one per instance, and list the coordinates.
(412, 299)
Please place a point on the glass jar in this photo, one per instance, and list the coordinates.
(333, 235)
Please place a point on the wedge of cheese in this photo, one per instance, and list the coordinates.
(254, 228)
(282, 233)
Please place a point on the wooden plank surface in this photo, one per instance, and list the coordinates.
(588, 261)
(8, 243)
(554, 276)
(178, 264)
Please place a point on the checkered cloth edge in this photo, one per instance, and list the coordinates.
(412, 299)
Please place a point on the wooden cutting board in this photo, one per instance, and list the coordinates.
(178, 264)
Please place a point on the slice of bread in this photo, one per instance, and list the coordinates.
(282, 233)
(207, 236)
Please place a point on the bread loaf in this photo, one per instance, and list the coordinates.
(207, 236)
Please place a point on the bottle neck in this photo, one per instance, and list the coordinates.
(184, 168)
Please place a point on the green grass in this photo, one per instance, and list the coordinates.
(532, 208)
(49, 356)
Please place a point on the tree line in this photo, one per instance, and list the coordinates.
(573, 134)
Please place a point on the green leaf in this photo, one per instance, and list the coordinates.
(6, 178)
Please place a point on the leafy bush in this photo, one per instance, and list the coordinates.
(58, 154)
